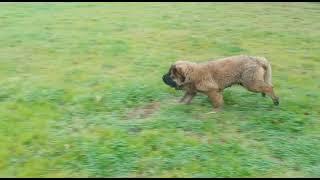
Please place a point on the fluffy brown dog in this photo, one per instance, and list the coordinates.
(211, 78)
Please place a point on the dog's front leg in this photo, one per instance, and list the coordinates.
(183, 98)
(187, 98)
(216, 98)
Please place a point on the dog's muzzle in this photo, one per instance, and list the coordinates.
(167, 80)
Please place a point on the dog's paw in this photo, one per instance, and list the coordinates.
(181, 101)
(276, 102)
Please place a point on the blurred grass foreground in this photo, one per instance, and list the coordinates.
(81, 93)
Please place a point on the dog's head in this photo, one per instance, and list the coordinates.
(178, 74)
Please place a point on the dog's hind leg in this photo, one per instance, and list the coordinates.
(262, 87)
(255, 80)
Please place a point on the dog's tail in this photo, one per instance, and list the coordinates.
(267, 66)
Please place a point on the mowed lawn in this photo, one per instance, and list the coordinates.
(81, 93)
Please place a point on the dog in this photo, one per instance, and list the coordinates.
(212, 77)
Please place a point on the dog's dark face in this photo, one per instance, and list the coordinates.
(174, 78)
(167, 79)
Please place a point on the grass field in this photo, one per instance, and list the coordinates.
(81, 93)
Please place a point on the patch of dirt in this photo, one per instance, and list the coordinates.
(143, 112)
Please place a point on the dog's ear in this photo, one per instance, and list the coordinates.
(173, 69)
(181, 70)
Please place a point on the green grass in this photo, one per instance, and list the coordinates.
(81, 93)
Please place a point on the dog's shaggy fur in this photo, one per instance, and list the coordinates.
(211, 78)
